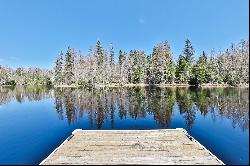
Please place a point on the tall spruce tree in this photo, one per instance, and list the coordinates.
(99, 55)
(112, 56)
(200, 70)
(121, 57)
(148, 68)
(181, 70)
(185, 63)
(112, 64)
(69, 66)
(121, 66)
(188, 51)
(58, 70)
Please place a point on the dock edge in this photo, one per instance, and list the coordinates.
(182, 129)
(203, 147)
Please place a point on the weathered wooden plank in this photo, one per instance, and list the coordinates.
(166, 146)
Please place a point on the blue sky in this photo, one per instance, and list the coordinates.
(32, 32)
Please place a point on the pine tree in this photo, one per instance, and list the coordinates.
(106, 72)
(157, 66)
(121, 57)
(58, 70)
(92, 67)
(200, 70)
(121, 66)
(169, 68)
(136, 71)
(100, 58)
(80, 69)
(181, 70)
(185, 63)
(112, 56)
(148, 68)
(188, 52)
(112, 64)
(69, 66)
(99, 53)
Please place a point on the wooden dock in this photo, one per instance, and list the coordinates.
(109, 147)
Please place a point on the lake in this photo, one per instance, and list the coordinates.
(36, 120)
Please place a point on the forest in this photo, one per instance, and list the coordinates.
(99, 67)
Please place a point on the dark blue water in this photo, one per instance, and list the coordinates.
(34, 121)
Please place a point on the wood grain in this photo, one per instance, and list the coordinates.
(111, 147)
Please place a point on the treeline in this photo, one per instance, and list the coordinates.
(22, 76)
(98, 67)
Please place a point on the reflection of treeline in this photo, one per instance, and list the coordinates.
(100, 104)
(20, 93)
(227, 103)
(104, 104)
(232, 104)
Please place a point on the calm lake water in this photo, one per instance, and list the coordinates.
(34, 121)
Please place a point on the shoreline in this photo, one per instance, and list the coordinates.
(140, 85)
(153, 85)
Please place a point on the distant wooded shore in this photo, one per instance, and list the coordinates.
(141, 85)
(98, 68)
(155, 85)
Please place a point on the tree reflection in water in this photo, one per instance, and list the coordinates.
(103, 104)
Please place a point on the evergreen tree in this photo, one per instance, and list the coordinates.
(80, 69)
(106, 71)
(121, 66)
(136, 69)
(181, 70)
(158, 63)
(200, 70)
(58, 70)
(99, 53)
(112, 64)
(69, 66)
(188, 51)
(185, 63)
(121, 57)
(148, 68)
(112, 56)
(92, 67)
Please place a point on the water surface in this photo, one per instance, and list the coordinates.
(35, 120)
